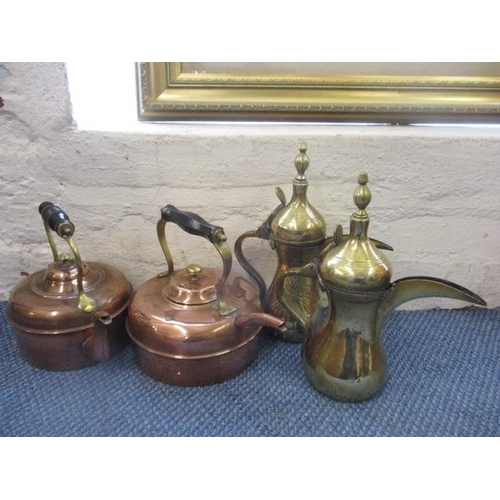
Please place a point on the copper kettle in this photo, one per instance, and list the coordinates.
(70, 315)
(196, 326)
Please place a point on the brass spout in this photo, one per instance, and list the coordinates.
(419, 287)
(263, 319)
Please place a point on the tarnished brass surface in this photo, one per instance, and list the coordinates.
(199, 325)
(297, 232)
(304, 291)
(299, 223)
(356, 263)
(343, 354)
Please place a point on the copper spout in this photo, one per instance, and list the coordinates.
(263, 319)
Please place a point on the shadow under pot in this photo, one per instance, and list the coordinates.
(70, 315)
(196, 326)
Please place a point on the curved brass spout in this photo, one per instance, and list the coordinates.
(419, 287)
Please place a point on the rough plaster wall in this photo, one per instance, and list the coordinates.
(435, 190)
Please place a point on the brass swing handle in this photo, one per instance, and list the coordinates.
(196, 225)
(55, 219)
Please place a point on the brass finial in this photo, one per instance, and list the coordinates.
(362, 195)
(194, 270)
(302, 161)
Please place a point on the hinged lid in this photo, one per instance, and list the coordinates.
(46, 301)
(356, 265)
(68, 294)
(193, 286)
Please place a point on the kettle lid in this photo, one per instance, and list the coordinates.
(299, 222)
(47, 301)
(193, 285)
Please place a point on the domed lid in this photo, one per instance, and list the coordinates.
(47, 301)
(356, 265)
(180, 315)
(299, 223)
(193, 286)
(63, 297)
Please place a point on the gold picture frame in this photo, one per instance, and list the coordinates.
(314, 92)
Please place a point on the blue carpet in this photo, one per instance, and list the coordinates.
(444, 380)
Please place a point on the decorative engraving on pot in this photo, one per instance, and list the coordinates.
(297, 232)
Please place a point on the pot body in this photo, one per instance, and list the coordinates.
(344, 357)
(52, 333)
(66, 351)
(304, 291)
(193, 344)
(189, 372)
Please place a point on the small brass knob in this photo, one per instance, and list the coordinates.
(194, 270)
(302, 161)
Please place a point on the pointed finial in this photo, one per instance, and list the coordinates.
(362, 195)
(302, 161)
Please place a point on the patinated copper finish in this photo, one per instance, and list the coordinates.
(54, 331)
(196, 326)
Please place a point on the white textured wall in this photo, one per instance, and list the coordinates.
(435, 190)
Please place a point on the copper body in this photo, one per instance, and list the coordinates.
(180, 334)
(52, 333)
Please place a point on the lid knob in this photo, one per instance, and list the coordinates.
(356, 265)
(362, 195)
(302, 161)
(194, 270)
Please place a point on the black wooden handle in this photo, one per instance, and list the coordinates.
(192, 223)
(56, 218)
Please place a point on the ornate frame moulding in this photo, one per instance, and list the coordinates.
(396, 93)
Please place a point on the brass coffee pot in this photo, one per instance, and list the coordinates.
(72, 314)
(343, 354)
(297, 232)
(196, 326)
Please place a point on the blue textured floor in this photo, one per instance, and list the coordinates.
(444, 380)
